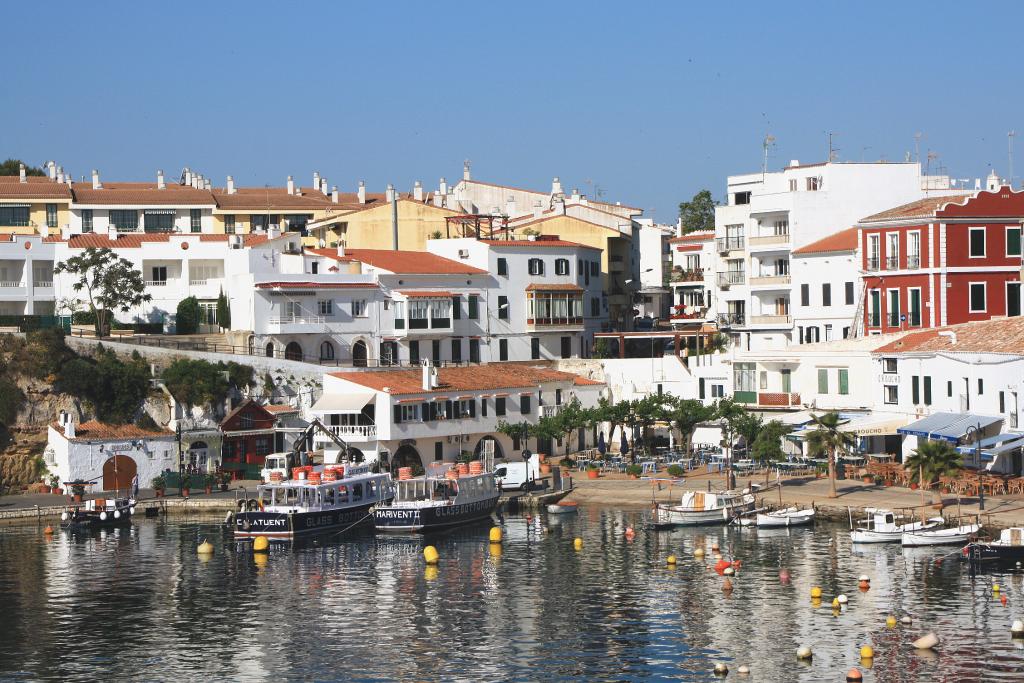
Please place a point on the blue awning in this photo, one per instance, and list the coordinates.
(947, 426)
(994, 445)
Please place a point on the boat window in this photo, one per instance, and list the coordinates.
(329, 497)
(357, 492)
(889, 519)
(342, 495)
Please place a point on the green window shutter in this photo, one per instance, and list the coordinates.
(822, 381)
(1013, 242)
(927, 391)
(844, 381)
(915, 390)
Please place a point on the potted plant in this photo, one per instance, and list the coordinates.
(676, 471)
(867, 477)
(186, 481)
(877, 480)
(545, 468)
(913, 486)
(209, 481)
(634, 471)
(593, 471)
(159, 485)
(55, 484)
(77, 492)
(44, 487)
(224, 479)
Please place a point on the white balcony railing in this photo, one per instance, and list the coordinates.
(768, 240)
(771, 319)
(156, 283)
(298, 320)
(197, 283)
(769, 279)
(550, 411)
(11, 283)
(43, 284)
(350, 432)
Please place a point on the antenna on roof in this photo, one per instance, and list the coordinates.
(832, 151)
(917, 146)
(766, 144)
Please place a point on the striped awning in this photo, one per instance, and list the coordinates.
(947, 426)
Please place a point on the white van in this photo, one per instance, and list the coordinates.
(517, 475)
(276, 462)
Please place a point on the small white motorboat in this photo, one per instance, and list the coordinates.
(699, 508)
(785, 518)
(951, 536)
(881, 527)
(563, 507)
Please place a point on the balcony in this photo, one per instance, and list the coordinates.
(768, 399)
(10, 284)
(730, 319)
(43, 284)
(615, 265)
(726, 244)
(770, 280)
(155, 283)
(771, 320)
(892, 262)
(424, 325)
(913, 261)
(768, 242)
(550, 411)
(872, 262)
(731, 277)
(349, 433)
(695, 276)
(554, 324)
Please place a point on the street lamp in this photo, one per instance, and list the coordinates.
(974, 431)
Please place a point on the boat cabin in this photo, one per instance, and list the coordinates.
(463, 489)
(1012, 536)
(305, 496)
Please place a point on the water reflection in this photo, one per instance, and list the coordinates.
(131, 602)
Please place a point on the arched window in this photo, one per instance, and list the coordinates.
(293, 351)
(270, 349)
(326, 351)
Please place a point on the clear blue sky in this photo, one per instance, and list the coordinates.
(652, 102)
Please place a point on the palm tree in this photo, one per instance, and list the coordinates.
(932, 460)
(826, 439)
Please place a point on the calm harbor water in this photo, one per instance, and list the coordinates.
(139, 604)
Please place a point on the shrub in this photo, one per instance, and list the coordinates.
(113, 387)
(188, 316)
(634, 470)
(675, 471)
(158, 483)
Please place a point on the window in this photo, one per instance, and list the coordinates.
(914, 249)
(314, 268)
(1002, 402)
(51, 215)
(535, 348)
(456, 350)
(457, 308)
(741, 197)
(873, 252)
(889, 366)
(977, 242)
(914, 296)
(844, 381)
(524, 404)
(86, 220)
(849, 293)
(792, 184)
(503, 267)
(813, 183)
(1013, 299)
(438, 451)
(503, 349)
(561, 266)
(892, 394)
(763, 380)
(594, 269)
(892, 251)
(826, 294)
(410, 412)
(15, 215)
(875, 309)
(414, 351)
(359, 308)
(780, 228)
(465, 408)
(894, 308)
(949, 389)
(229, 224)
(927, 390)
(483, 406)
(474, 307)
(828, 332)
(195, 218)
(717, 390)
(915, 390)
(158, 220)
(535, 266)
(326, 351)
(435, 351)
(263, 446)
(503, 308)
(595, 307)
(822, 380)
(325, 307)
(978, 297)
(1012, 241)
(499, 406)
(981, 386)
(474, 350)
(159, 275)
(124, 221)
(805, 295)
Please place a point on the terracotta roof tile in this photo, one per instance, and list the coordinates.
(536, 221)
(695, 236)
(93, 430)
(999, 335)
(844, 240)
(36, 187)
(424, 294)
(471, 378)
(131, 194)
(134, 240)
(922, 208)
(411, 262)
(258, 199)
(329, 253)
(536, 243)
(553, 287)
(316, 285)
(279, 410)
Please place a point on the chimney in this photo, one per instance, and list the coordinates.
(69, 427)
(208, 184)
(390, 193)
(188, 176)
(231, 185)
(992, 182)
(316, 179)
(323, 186)
(465, 170)
(291, 185)
(426, 383)
(393, 200)
(538, 209)
(575, 194)
(22, 178)
(556, 186)
(417, 191)
(510, 206)
(341, 248)
(443, 187)
(334, 194)
(794, 162)
(51, 169)
(96, 184)
(60, 174)
(160, 185)
(362, 192)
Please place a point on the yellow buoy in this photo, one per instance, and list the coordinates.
(699, 552)
(995, 588)
(260, 559)
(48, 530)
(890, 621)
(671, 559)
(577, 543)
(816, 592)
(495, 550)
(835, 603)
(430, 555)
(815, 603)
(205, 548)
(495, 535)
(867, 652)
(430, 572)
(260, 544)
(804, 652)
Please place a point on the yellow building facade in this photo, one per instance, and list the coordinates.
(370, 227)
(34, 206)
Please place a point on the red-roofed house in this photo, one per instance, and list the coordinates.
(826, 283)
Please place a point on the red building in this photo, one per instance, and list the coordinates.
(248, 438)
(942, 261)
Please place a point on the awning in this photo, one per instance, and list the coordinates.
(352, 403)
(995, 445)
(874, 424)
(800, 417)
(947, 426)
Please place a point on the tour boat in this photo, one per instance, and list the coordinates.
(428, 503)
(1008, 549)
(785, 518)
(700, 507)
(951, 536)
(314, 500)
(98, 513)
(562, 508)
(881, 527)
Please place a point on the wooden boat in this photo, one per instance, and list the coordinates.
(881, 527)
(785, 518)
(326, 499)
(562, 508)
(428, 503)
(700, 508)
(951, 536)
(1008, 549)
(98, 513)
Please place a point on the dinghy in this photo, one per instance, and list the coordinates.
(881, 527)
(699, 508)
(785, 518)
(951, 536)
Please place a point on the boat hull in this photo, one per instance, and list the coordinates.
(676, 516)
(430, 517)
(894, 536)
(955, 536)
(770, 521)
(561, 508)
(283, 526)
(994, 554)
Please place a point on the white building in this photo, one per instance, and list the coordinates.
(692, 278)
(768, 215)
(654, 297)
(826, 288)
(26, 275)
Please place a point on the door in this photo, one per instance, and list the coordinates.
(566, 347)
(787, 381)
(359, 353)
(207, 317)
(293, 351)
(1013, 299)
(118, 472)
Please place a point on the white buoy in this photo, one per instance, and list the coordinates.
(926, 642)
(906, 620)
(721, 669)
(131, 510)
(103, 516)
(743, 670)
(1017, 628)
(117, 514)
(63, 516)
(728, 571)
(804, 652)
(842, 599)
(864, 577)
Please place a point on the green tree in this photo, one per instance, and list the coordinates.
(698, 213)
(223, 311)
(767, 447)
(614, 414)
(186, 320)
(198, 382)
(109, 281)
(731, 414)
(933, 459)
(115, 388)
(827, 440)
(13, 166)
(686, 415)
(571, 417)
(517, 430)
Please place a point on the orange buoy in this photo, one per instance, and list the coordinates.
(854, 675)
(49, 531)
(1002, 598)
(863, 585)
(721, 565)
